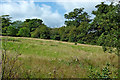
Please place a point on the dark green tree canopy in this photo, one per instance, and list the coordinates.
(107, 26)
(24, 32)
(76, 17)
(6, 21)
(41, 32)
(32, 24)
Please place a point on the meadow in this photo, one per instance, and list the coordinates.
(40, 58)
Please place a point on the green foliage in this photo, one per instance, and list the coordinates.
(64, 32)
(75, 43)
(54, 34)
(81, 41)
(36, 33)
(44, 32)
(72, 34)
(6, 21)
(76, 17)
(111, 42)
(24, 32)
(105, 73)
(32, 24)
(10, 63)
(100, 40)
(41, 32)
(106, 26)
(17, 24)
(12, 31)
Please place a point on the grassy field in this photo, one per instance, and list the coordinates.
(49, 59)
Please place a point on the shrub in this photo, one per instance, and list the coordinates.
(104, 73)
(10, 63)
(75, 43)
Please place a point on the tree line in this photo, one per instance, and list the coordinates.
(103, 30)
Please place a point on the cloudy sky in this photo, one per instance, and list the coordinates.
(50, 11)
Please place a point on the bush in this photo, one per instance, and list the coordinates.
(82, 42)
(104, 73)
(75, 43)
(10, 62)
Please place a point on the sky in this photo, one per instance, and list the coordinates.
(50, 11)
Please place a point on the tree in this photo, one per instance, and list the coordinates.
(6, 21)
(112, 39)
(44, 32)
(98, 23)
(36, 33)
(24, 32)
(17, 24)
(64, 33)
(32, 24)
(82, 32)
(54, 34)
(101, 23)
(79, 20)
(41, 32)
(73, 34)
(13, 29)
(76, 17)
(106, 23)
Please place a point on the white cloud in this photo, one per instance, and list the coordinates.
(56, 0)
(23, 10)
(78, 0)
(49, 0)
(88, 5)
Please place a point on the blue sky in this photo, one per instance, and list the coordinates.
(50, 11)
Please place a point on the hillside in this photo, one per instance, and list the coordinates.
(49, 58)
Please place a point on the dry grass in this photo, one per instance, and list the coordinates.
(49, 58)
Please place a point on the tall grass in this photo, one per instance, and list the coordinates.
(53, 59)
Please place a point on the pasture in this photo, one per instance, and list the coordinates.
(42, 58)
